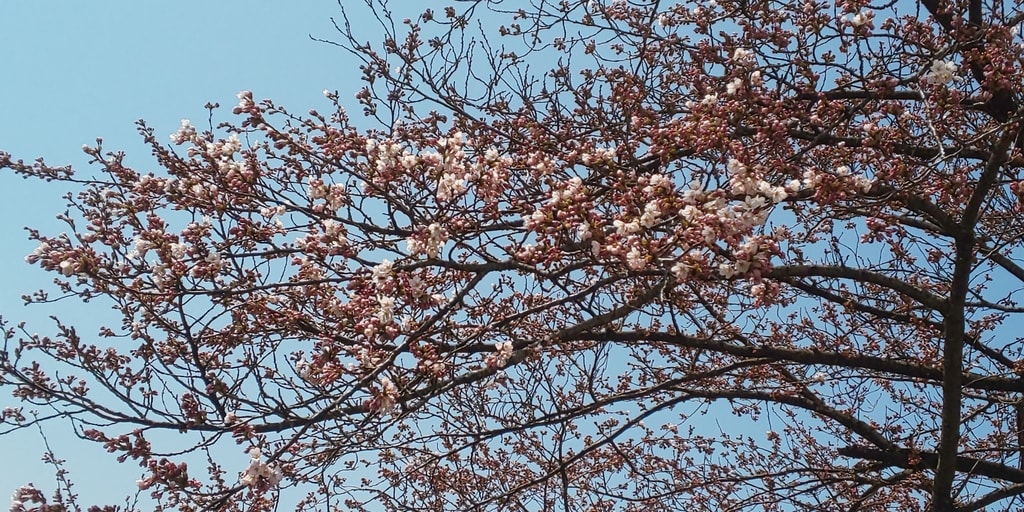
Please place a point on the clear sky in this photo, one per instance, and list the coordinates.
(73, 71)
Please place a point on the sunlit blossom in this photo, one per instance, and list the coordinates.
(941, 72)
(68, 267)
(501, 355)
(408, 323)
(40, 252)
(259, 473)
(726, 269)
(734, 86)
(636, 259)
(245, 100)
(450, 187)
(652, 213)
(385, 309)
(436, 238)
(413, 245)
(185, 133)
(383, 270)
(178, 250)
(742, 55)
(862, 18)
(388, 397)
(680, 270)
(626, 228)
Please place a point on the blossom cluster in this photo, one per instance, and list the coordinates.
(447, 161)
(842, 180)
(564, 198)
(941, 72)
(861, 19)
(218, 155)
(386, 398)
(682, 231)
(745, 183)
(502, 353)
(259, 474)
(429, 241)
(185, 133)
(335, 196)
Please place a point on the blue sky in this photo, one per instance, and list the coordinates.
(74, 71)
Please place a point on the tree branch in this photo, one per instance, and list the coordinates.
(910, 459)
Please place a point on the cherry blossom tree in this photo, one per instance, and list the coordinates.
(575, 256)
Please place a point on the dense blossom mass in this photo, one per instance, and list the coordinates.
(732, 255)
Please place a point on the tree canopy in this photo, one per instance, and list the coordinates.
(571, 256)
